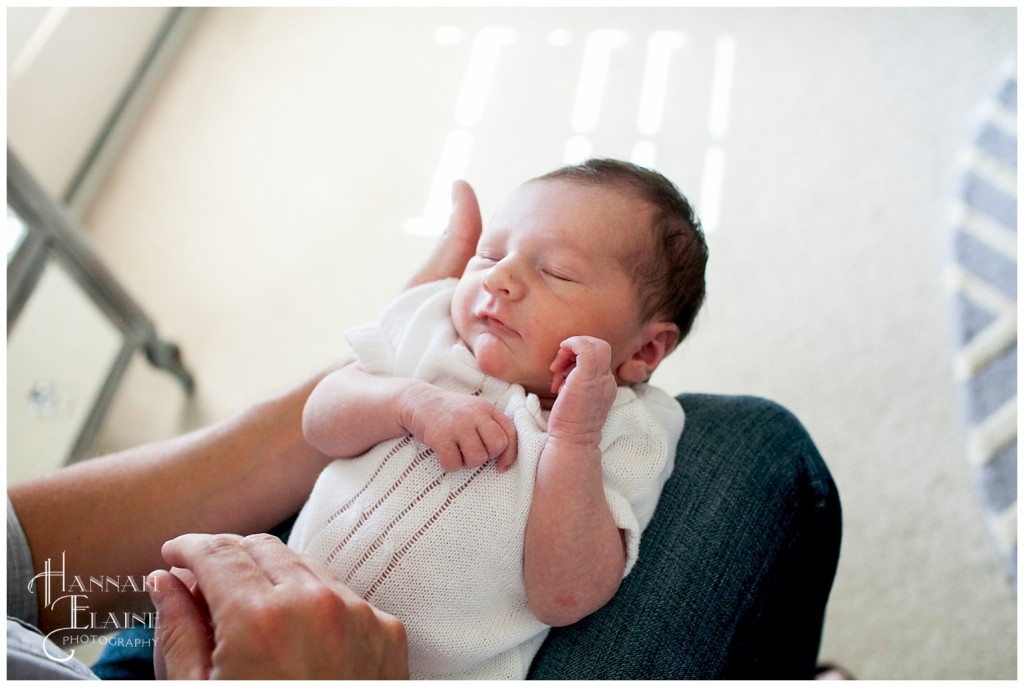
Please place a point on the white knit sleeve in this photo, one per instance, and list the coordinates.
(393, 344)
(638, 454)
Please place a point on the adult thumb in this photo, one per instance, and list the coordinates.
(465, 221)
(458, 242)
(184, 638)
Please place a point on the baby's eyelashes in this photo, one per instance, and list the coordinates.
(558, 275)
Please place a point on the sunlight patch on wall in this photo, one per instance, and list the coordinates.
(476, 87)
(593, 74)
(488, 45)
(599, 49)
(721, 86)
(452, 165)
(660, 47)
(718, 125)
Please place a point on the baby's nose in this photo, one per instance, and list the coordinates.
(502, 280)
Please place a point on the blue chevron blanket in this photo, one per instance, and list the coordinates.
(984, 280)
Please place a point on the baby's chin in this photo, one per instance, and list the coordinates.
(495, 367)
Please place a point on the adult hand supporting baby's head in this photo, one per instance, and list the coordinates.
(458, 242)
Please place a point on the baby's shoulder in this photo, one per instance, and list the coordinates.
(644, 407)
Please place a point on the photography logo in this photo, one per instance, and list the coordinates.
(69, 594)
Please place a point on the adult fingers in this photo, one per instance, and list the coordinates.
(184, 637)
(224, 570)
(376, 640)
(273, 557)
(186, 577)
(458, 243)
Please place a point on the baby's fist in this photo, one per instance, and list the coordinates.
(586, 389)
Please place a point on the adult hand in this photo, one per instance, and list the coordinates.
(258, 610)
(458, 242)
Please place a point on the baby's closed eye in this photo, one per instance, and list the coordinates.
(558, 274)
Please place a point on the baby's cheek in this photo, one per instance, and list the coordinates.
(460, 314)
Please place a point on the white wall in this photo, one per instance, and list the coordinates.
(67, 68)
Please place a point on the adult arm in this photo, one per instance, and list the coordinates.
(244, 474)
(110, 515)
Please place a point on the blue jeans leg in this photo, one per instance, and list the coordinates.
(735, 568)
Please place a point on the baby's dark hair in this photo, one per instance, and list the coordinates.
(670, 272)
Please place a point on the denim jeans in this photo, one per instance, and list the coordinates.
(735, 568)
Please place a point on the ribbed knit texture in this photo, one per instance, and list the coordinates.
(444, 551)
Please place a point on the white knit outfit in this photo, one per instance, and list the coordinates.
(444, 551)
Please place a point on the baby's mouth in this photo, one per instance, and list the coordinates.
(495, 324)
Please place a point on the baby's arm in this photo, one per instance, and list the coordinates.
(351, 410)
(575, 552)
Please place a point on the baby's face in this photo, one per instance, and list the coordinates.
(553, 264)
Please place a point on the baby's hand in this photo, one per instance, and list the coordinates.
(586, 389)
(464, 431)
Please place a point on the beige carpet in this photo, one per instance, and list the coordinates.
(260, 209)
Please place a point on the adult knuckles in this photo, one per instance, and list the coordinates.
(322, 597)
(260, 539)
(263, 616)
(354, 620)
(216, 544)
(394, 627)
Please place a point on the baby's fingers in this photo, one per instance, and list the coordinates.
(449, 456)
(591, 356)
(508, 456)
(565, 361)
(498, 435)
(474, 450)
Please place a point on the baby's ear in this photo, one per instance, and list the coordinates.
(659, 339)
